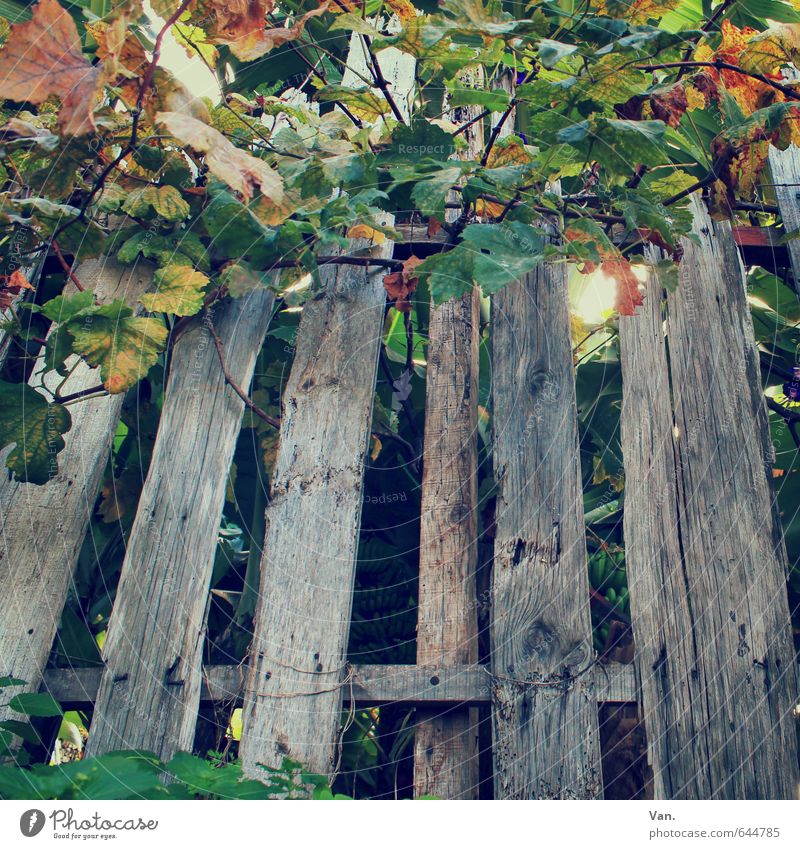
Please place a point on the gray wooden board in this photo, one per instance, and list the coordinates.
(733, 553)
(372, 684)
(297, 658)
(546, 741)
(446, 752)
(150, 689)
(42, 527)
(446, 746)
(660, 606)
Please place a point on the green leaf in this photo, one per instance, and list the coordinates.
(431, 194)
(240, 279)
(37, 428)
(490, 255)
(363, 102)
(496, 100)
(552, 52)
(165, 201)
(65, 307)
(165, 249)
(21, 729)
(618, 144)
(421, 140)
(179, 290)
(123, 346)
(36, 704)
(10, 681)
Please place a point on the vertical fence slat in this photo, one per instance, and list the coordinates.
(445, 743)
(672, 703)
(732, 546)
(446, 753)
(545, 710)
(150, 690)
(784, 170)
(296, 670)
(42, 527)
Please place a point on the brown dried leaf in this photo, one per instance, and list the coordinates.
(43, 58)
(242, 172)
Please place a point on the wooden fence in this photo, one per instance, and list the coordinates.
(715, 673)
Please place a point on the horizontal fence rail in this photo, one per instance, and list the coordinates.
(369, 684)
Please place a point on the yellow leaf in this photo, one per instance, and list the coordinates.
(124, 347)
(166, 201)
(242, 172)
(402, 8)
(488, 209)
(179, 290)
(362, 231)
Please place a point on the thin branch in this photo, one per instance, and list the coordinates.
(468, 124)
(66, 266)
(380, 80)
(719, 65)
(83, 393)
(209, 323)
(365, 261)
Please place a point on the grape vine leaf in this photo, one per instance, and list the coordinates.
(42, 58)
(124, 346)
(179, 290)
(37, 428)
(165, 201)
(235, 167)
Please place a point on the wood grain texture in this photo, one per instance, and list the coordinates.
(733, 554)
(666, 649)
(546, 742)
(150, 690)
(784, 171)
(372, 684)
(42, 527)
(446, 745)
(446, 750)
(297, 658)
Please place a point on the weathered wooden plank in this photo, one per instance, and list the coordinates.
(733, 554)
(150, 689)
(372, 684)
(446, 751)
(672, 697)
(446, 745)
(784, 171)
(545, 714)
(42, 527)
(297, 659)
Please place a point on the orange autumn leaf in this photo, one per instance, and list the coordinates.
(11, 286)
(749, 93)
(364, 231)
(669, 104)
(629, 295)
(401, 285)
(240, 24)
(42, 58)
(488, 208)
(124, 50)
(434, 227)
(404, 9)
